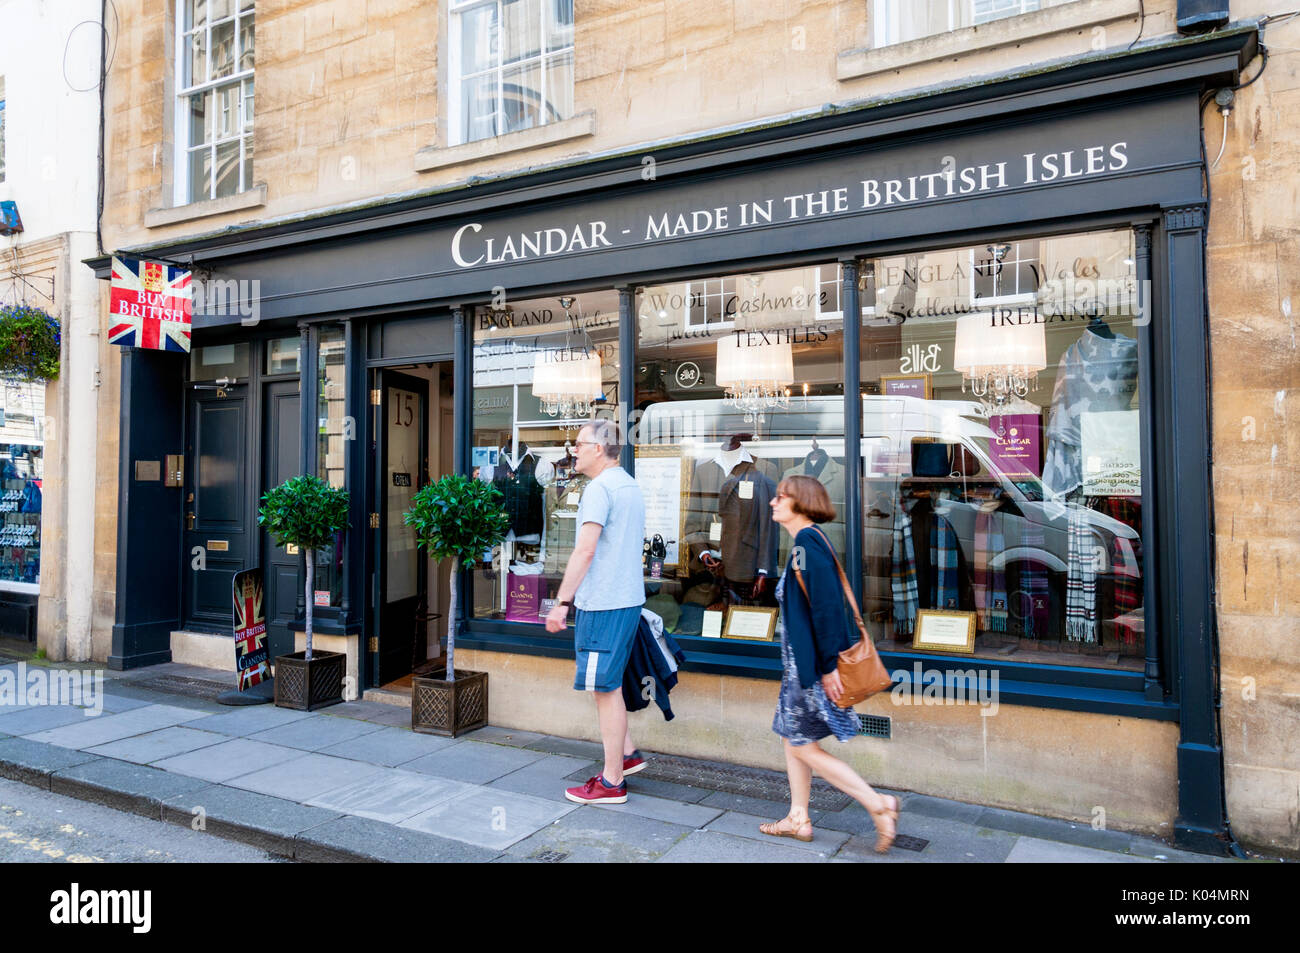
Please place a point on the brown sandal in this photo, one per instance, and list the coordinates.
(885, 839)
(786, 827)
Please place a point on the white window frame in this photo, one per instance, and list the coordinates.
(457, 9)
(181, 118)
(1014, 257)
(885, 16)
(705, 295)
(838, 314)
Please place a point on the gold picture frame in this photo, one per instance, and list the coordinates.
(905, 384)
(747, 622)
(651, 451)
(941, 630)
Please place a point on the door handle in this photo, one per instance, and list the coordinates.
(189, 520)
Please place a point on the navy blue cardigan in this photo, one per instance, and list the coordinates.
(819, 632)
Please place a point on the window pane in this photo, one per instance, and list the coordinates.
(521, 29)
(227, 112)
(331, 462)
(22, 468)
(559, 24)
(227, 172)
(221, 9)
(223, 49)
(731, 409)
(282, 355)
(196, 14)
(897, 21)
(199, 128)
(522, 105)
(200, 174)
(479, 108)
(248, 164)
(559, 88)
(478, 39)
(1001, 449)
(248, 105)
(197, 62)
(541, 370)
(219, 360)
(246, 43)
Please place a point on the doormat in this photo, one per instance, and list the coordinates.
(734, 779)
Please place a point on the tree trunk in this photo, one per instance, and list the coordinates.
(311, 572)
(451, 622)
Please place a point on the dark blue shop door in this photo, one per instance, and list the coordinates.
(281, 427)
(217, 537)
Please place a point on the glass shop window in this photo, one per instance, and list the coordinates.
(282, 355)
(1002, 490)
(217, 361)
(22, 472)
(726, 410)
(332, 441)
(542, 368)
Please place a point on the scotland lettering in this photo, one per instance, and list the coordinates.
(472, 247)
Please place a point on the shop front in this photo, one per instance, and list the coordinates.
(977, 318)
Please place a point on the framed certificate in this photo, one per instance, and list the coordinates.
(907, 385)
(939, 630)
(751, 622)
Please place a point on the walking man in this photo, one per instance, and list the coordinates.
(604, 582)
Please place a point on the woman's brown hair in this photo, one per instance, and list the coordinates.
(808, 498)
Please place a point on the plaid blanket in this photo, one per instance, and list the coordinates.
(1125, 562)
(990, 583)
(1034, 588)
(902, 577)
(943, 564)
(1080, 579)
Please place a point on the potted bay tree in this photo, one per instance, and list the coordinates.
(306, 512)
(457, 518)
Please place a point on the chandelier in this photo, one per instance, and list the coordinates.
(998, 362)
(757, 377)
(567, 379)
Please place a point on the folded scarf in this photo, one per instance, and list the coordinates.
(990, 583)
(902, 578)
(1034, 587)
(1125, 563)
(943, 564)
(1080, 579)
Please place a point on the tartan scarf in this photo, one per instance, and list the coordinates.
(1080, 579)
(990, 583)
(903, 574)
(1125, 562)
(943, 564)
(1035, 587)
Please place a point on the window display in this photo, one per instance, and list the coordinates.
(1009, 486)
(331, 463)
(21, 469)
(542, 368)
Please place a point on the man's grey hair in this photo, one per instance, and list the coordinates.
(605, 432)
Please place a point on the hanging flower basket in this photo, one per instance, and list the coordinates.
(29, 343)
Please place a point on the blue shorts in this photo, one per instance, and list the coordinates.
(602, 644)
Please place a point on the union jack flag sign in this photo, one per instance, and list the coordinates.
(150, 306)
(252, 654)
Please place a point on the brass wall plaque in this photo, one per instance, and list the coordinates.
(218, 546)
(291, 549)
(148, 471)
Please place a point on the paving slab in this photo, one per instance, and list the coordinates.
(123, 786)
(36, 718)
(375, 712)
(937, 807)
(360, 838)
(661, 809)
(157, 745)
(391, 795)
(270, 823)
(714, 847)
(32, 762)
(229, 759)
(474, 762)
(251, 720)
(589, 835)
(115, 704)
(514, 737)
(106, 728)
(825, 841)
(547, 777)
(670, 790)
(759, 807)
(573, 747)
(1054, 829)
(128, 690)
(1158, 850)
(1032, 850)
(306, 777)
(949, 842)
(389, 746)
(312, 734)
(488, 817)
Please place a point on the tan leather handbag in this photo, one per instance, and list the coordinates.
(861, 672)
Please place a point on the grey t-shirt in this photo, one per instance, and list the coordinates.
(614, 580)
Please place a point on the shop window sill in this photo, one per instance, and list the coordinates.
(250, 198)
(1008, 32)
(580, 126)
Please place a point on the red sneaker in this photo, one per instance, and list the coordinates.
(634, 762)
(596, 791)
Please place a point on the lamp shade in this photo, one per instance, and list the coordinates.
(980, 344)
(572, 373)
(742, 365)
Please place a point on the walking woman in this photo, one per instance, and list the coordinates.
(814, 630)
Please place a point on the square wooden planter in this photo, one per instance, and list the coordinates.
(440, 707)
(307, 686)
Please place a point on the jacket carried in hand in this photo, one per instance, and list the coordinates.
(818, 626)
(651, 671)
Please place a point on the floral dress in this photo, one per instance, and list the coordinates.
(805, 715)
